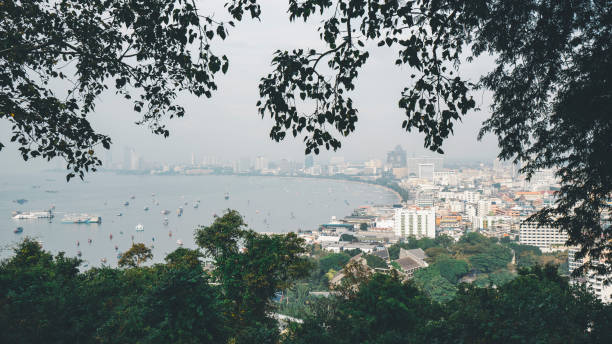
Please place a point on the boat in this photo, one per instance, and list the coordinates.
(165, 221)
(156, 202)
(146, 208)
(126, 203)
(89, 241)
(81, 218)
(170, 234)
(119, 214)
(153, 194)
(20, 201)
(18, 230)
(139, 228)
(165, 212)
(179, 242)
(79, 253)
(133, 197)
(226, 196)
(116, 247)
(179, 211)
(103, 260)
(186, 203)
(110, 236)
(196, 205)
(51, 191)
(18, 215)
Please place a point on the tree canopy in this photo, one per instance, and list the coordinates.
(550, 81)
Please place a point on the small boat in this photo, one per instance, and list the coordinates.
(170, 234)
(153, 194)
(116, 247)
(18, 230)
(119, 255)
(179, 242)
(156, 202)
(153, 239)
(165, 212)
(78, 243)
(146, 208)
(85, 265)
(79, 253)
(226, 196)
(119, 214)
(103, 260)
(133, 197)
(165, 221)
(179, 211)
(89, 241)
(186, 203)
(196, 205)
(111, 236)
(121, 232)
(126, 203)
(20, 201)
(139, 228)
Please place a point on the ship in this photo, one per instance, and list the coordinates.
(139, 228)
(18, 215)
(81, 218)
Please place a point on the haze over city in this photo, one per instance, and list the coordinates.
(228, 126)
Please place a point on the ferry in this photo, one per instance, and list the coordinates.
(139, 227)
(18, 215)
(81, 218)
(18, 230)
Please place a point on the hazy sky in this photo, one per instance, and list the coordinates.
(228, 124)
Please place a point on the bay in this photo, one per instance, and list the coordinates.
(268, 204)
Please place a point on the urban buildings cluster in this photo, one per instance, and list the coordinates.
(492, 199)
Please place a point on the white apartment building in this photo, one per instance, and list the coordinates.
(471, 196)
(414, 221)
(484, 207)
(545, 237)
(594, 282)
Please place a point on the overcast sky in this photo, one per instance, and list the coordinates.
(228, 125)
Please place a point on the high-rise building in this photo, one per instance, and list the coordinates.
(426, 171)
(545, 237)
(261, 163)
(308, 161)
(415, 222)
(397, 157)
(593, 281)
(412, 164)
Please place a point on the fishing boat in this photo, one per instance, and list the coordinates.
(27, 215)
(81, 218)
(119, 214)
(170, 234)
(139, 227)
(116, 247)
(79, 253)
(18, 230)
(111, 236)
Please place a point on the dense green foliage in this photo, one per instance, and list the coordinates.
(375, 262)
(536, 307)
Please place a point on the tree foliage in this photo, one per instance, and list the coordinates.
(135, 256)
(251, 267)
(148, 51)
